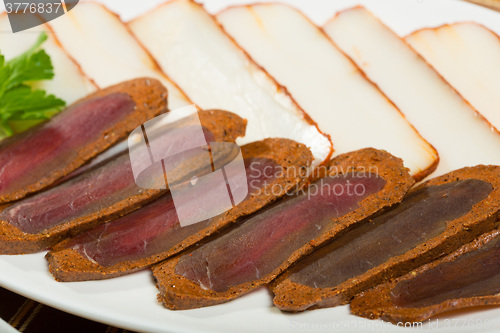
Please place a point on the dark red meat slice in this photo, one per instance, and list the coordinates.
(82, 196)
(273, 166)
(433, 220)
(472, 274)
(417, 219)
(74, 199)
(105, 192)
(467, 277)
(59, 140)
(351, 188)
(262, 243)
(154, 228)
(37, 158)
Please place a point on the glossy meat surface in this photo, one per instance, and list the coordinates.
(263, 242)
(469, 277)
(29, 157)
(76, 198)
(154, 228)
(110, 188)
(417, 219)
(473, 274)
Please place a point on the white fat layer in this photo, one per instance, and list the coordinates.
(325, 82)
(107, 51)
(210, 285)
(69, 83)
(84, 250)
(468, 57)
(192, 49)
(440, 114)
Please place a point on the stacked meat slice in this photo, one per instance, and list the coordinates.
(319, 231)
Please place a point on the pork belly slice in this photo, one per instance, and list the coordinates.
(468, 56)
(153, 233)
(35, 159)
(434, 107)
(97, 196)
(436, 218)
(69, 82)
(106, 50)
(192, 49)
(355, 186)
(466, 278)
(326, 83)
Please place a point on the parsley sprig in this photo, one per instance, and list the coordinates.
(18, 101)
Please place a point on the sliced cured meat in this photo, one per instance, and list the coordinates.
(103, 193)
(354, 187)
(468, 56)
(154, 233)
(92, 34)
(35, 159)
(327, 84)
(215, 72)
(296, 221)
(434, 107)
(436, 218)
(468, 277)
(69, 82)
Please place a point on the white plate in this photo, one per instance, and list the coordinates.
(6, 328)
(130, 301)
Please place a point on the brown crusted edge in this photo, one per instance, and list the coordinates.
(69, 265)
(293, 297)
(422, 173)
(279, 87)
(150, 98)
(178, 292)
(376, 303)
(226, 126)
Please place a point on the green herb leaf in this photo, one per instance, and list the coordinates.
(17, 100)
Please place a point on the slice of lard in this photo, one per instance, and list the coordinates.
(326, 83)
(468, 56)
(192, 48)
(69, 82)
(461, 136)
(106, 50)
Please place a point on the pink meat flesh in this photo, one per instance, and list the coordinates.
(154, 228)
(421, 216)
(115, 151)
(473, 274)
(266, 240)
(78, 197)
(29, 157)
(84, 194)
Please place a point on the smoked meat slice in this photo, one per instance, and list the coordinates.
(434, 219)
(154, 233)
(94, 197)
(35, 159)
(468, 277)
(264, 245)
